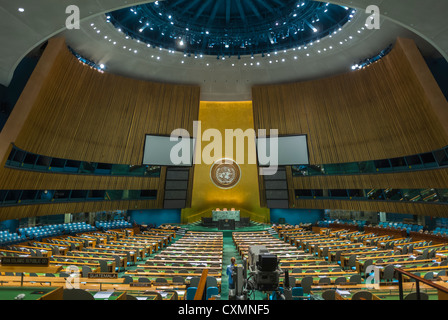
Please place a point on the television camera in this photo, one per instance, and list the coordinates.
(260, 272)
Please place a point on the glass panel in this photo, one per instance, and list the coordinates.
(375, 194)
(61, 195)
(427, 157)
(13, 196)
(315, 170)
(338, 193)
(332, 169)
(28, 195)
(428, 160)
(413, 160)
(103, 168)
(367, 167)
(96, 194)
(19, 156)
(441, 157)
(318, 193)
(79, 194)
(43, 161)
(443, 194)
(356, 193)
(152, 171)
(151, 194)
(131, 194)
(398, 162)
(303, 193)
(30, 159)
(411, 195)
(72, 166)
(122, 169)
(350, 168)
(87, 167)
(114, 195)
(382, 164)
(57, 164)
(11, 154)
(393, 194)
(3, 195)
(429, 195)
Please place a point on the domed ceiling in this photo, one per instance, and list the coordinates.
(179, 41)
(230, 27)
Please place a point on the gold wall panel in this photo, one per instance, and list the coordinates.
(206, 195)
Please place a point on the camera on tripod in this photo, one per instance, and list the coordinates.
(263, 269)
(259, 272)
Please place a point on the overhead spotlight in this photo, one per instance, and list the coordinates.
(21, 10)
(102, 66)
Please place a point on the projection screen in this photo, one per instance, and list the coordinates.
(157, 151)
(292, 150)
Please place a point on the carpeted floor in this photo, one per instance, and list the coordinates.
(229, 251)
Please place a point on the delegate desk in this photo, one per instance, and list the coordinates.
(226, 215)
(379, 291)
(108, 295)
(31, 293)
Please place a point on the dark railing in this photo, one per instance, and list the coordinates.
(436, 159)
(24, 160)
(417, 279)
(428, 195)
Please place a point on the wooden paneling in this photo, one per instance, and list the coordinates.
(390, 109)
(23, 211)
(426, 209)
(81, 114)
(376, 113)
(437, 178)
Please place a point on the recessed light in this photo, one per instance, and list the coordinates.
(21, 10)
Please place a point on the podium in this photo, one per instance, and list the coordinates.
(226, 224)
(226, 215)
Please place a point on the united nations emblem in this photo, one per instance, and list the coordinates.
(225, 173)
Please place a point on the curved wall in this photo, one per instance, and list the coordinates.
(392, 108)
(379, 112)
(70, 111)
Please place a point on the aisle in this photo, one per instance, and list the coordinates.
(229, 251)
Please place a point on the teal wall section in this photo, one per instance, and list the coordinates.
(296, 216)
(156, 217)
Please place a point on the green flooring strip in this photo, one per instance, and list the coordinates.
(229, 251)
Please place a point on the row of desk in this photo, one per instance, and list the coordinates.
(96, 252)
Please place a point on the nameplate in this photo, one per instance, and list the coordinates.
(25, 261)
(140, 284)
(102, 275)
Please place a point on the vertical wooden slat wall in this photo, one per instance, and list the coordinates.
(377, 113)
(81, 114)
(382, 111)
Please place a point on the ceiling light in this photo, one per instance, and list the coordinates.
(21, 10)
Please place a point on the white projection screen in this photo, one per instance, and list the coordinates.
(292, 150)
(157, 151)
